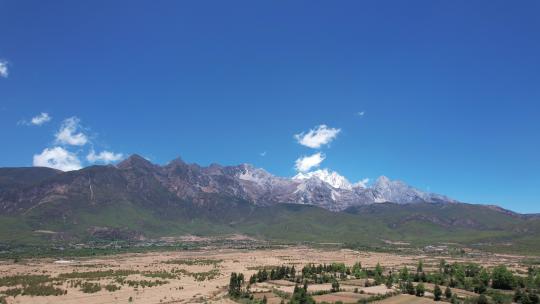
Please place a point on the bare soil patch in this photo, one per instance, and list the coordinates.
(343, 296)
(195, 279)
(405, 299)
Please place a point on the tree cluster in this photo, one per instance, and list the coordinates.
(235, 285)
(301, 296)
(278, 273)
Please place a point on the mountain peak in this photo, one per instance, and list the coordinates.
(382, 180)
(134, 160)
(177, 161)
(330, 177)
(247, 166)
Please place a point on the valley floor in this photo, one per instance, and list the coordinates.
(193, 276)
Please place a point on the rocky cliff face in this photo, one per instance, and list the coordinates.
(136, 179)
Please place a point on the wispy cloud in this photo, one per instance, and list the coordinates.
(70, 134)
(57, 158)
(40, 119)
(306, 163)
(317, 137)
(263, 154)
(106, 157)
(4, 72)
(362, 183)
(37, 120)
(361, 113)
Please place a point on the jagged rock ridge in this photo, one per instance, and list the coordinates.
(136, 176)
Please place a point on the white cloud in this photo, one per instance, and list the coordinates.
(4, 69)
(104, 157)
(317, 137)
(361, 113)
(306, 163)
(362, 183)
(57, 158)
(40, 119)
(69, 133)
(263, 154)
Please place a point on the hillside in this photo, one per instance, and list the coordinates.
(138, 200)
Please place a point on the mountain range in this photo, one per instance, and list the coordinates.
(321, 188)
(137, 199)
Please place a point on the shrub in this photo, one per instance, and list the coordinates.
(420, 290)
(502, 278)
(88, 287)
(482, 299)
(437, 293)
(112, 287)
(448, 292)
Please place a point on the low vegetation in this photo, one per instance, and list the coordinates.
(446, 282)
(96, 275)
(140, 283)
(191, 262)
(88, 287)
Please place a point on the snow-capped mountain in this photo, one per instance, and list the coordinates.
(323, 188)
(180, 181)
(386, 190)
(332, 178)
(327, 189)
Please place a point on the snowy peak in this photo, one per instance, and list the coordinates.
(330, 177)
(386, 190)
(382, 181)
(324, 188)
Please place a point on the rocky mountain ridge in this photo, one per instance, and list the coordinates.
(178, 180)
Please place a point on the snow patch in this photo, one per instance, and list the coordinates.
(330, 177)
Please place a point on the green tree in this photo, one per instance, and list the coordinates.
(420, 267)
(533, 297)
(404, 274)
(483, 277)
(357, 270)
(437, 293)
(389, 281)
(420, 290)
(442, 265)
(378, 269)
(448, 292)
(502, 278)
(235, 284)
(459, 274)
(482, 299)
(300, 296)
(518, 295)
(335, 286)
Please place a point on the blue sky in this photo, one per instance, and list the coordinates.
(449, 90)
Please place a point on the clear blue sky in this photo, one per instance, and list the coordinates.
(450, 90)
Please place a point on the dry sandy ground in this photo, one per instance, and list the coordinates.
(405, 299)
(271, 297)
(343, 296)
(459, 292)
(187, 290)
